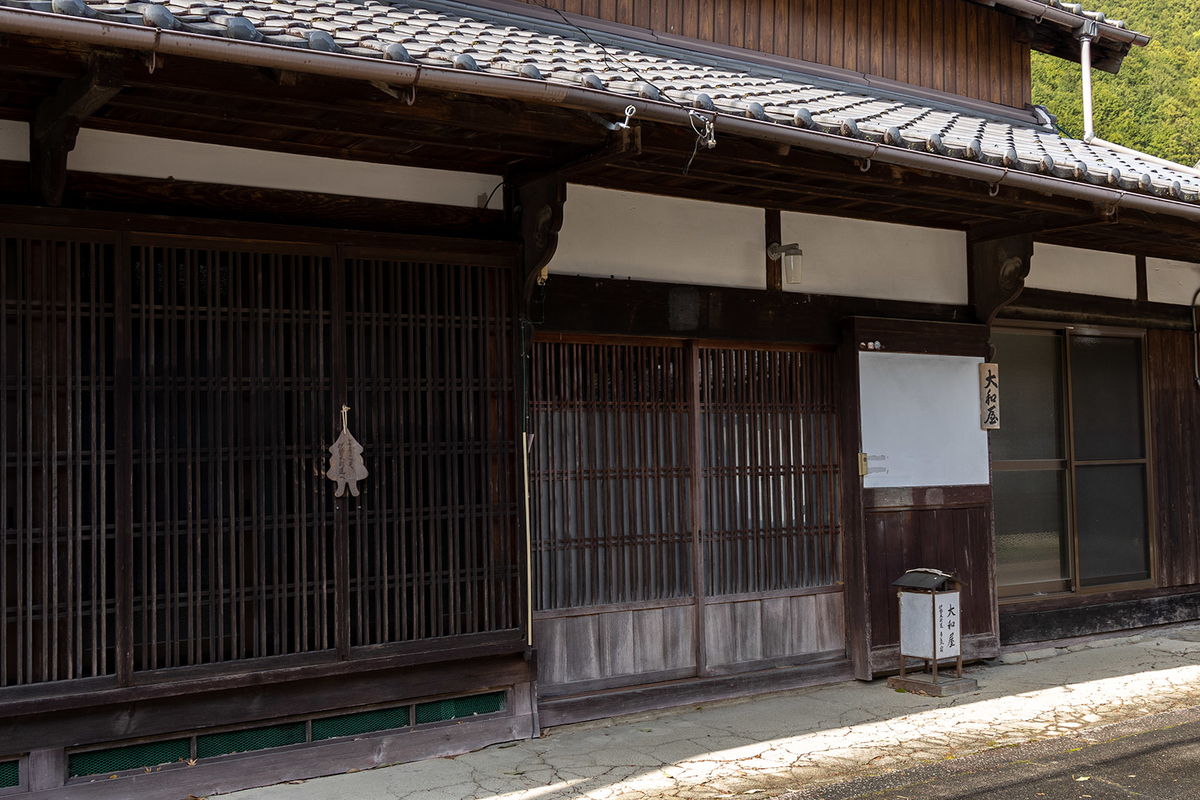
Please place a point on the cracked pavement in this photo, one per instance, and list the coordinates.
(773, 744)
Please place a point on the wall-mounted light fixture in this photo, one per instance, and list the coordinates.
(790, 253)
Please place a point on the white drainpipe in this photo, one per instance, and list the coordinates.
(1085, 42)
(1089, 129)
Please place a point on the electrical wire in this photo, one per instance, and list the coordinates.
(707, 135)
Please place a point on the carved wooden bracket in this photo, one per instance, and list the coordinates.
(998, 268)
(537, 214)
(56, 123)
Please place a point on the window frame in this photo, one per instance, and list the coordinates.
(1073, 585)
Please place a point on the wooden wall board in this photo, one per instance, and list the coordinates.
(755, 630)
(945, 45)
(955, 540)
(1175, 450)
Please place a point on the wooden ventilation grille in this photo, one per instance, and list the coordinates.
(57, 565)
(626, 434)
(228, 367)
(610, 473)
(769, 454)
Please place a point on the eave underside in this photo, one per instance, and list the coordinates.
(248, 107)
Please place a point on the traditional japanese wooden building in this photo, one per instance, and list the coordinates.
(617, 455)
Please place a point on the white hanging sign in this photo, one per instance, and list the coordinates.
(989, 396)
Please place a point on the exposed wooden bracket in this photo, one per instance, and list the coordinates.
(57, 119)
(997, 269)
(536, 212)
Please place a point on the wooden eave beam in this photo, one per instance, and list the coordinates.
(366, 129)
(623, 143)
(1040, 224)
(56, 123)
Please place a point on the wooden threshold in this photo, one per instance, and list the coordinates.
(600, 705)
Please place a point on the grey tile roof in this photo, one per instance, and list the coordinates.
(459, 36)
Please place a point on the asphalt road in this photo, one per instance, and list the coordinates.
(1155, 757)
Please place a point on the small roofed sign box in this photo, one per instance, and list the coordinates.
(989, 396)
(931, 630)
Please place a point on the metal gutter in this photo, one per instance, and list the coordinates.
(123, 35)
(1042, 12)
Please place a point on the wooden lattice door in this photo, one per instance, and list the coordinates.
(167, 409)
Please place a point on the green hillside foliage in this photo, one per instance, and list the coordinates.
(1153, 105)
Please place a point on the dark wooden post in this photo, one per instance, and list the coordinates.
(774, 235)
(854, 558)
(534, 209)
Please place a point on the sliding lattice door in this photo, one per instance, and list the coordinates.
(684, 503)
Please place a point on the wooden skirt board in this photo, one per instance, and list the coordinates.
(614, 648)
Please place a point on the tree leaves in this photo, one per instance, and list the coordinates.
(1154, 103)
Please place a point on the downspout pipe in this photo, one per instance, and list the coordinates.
(1089, 127)
(135, 37)
(1085, 62)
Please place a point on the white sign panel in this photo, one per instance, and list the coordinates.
(920, 420)
(926, 619)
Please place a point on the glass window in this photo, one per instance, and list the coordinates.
(1069, 468)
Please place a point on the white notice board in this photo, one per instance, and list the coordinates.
(920, 420)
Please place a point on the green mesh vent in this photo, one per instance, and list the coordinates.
(10, 774)
(384, 719)
(220, 744)
(134, 756)
(460, 707)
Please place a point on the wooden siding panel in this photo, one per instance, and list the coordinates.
(679, 637)
(1175, 443)
(944, 45)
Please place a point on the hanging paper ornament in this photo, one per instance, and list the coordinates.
(346, 467)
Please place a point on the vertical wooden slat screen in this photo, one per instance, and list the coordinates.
(433, 537)
(612, 462)
(609, 474)
(232, 415)
(769, 470)
(57, 581)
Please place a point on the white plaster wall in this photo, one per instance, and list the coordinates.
(1170, 281)
(150, 157)
(1070, 269)
(629, 235)
(877, 259)
(14, 141)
